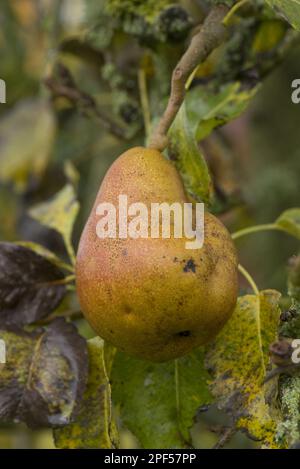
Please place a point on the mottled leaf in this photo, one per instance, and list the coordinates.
(289, 9)
(290, 222)
(158, 402)
(26, 138)
(289, 429)
(109, 356)
(238, 359)
(44, 252)
(185, 153)
(94, 426)
(30, 285)
(44, 376)
(208, 109)
(59, 213)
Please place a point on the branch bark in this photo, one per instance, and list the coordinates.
(210, 36)
(63, 85)
(225, 437)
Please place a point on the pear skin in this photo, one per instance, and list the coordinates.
(152, 297)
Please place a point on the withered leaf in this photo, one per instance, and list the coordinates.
(29, 285)
(45, 374)
(26, 139)
(94, 426)
(238, 360)
(59, 213)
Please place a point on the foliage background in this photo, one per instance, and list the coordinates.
(262, 149)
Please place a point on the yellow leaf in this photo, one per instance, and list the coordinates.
(94, 426)
(59, 213)
(238, 359)
(26, 138)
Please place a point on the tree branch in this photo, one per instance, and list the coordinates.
(210, 36)
(225, 437)
(64, 86)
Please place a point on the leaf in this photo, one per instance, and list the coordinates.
(238, 359)
(294, 281)
(185, 153)
(290, 222)
(289, 9)
(44, 252)
(289, 429)
(100, 25)
(269, 34)
(59, 213)
(9, 204)
(26, 139)
(146, 9)
(94, 426)
(45, 375)
(158, 402)
(30, 286)
(71, 173)
(208, 109)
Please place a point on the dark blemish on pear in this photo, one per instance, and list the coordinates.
(173, 156)
(124, 252)
(127, 309)
(190, 266)
(215, 234)
(184, 334)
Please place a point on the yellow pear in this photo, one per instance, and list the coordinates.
(152, 297)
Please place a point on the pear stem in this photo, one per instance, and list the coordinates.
(210, 36)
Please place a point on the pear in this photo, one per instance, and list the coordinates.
(152, 297)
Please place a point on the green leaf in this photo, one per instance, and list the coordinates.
(208, 109)
(185, 153)
(289, 9)
(44, 376)
(158, 402)
(59, 213)
(94, 426)
(290, 222)
(26, 139)
(71, 173)
(238, 359)
(269, 34)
